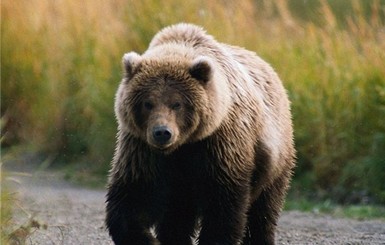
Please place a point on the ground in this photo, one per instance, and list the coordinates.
(75, 215)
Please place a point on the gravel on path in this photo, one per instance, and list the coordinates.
(75, 215)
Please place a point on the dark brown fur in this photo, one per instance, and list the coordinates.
(225, 163)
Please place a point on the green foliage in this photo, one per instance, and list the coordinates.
(61, 67)
(367, 174)
(329, 207)
(361, 211)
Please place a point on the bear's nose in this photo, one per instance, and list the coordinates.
(161, 134)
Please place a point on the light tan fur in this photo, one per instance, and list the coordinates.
(245, 94)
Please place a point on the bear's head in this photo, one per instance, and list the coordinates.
(172, 100)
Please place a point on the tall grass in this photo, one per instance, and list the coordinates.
(61, 66)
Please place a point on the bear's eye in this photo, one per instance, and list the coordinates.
(148, 105)
(176, 106)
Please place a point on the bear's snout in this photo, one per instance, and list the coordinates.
(161, 135)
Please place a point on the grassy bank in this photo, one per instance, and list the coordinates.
(60, 64)
(356, 211)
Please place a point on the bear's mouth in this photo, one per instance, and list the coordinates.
(161, 146)
(164, 149)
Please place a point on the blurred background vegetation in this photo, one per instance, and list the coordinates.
(60, 68)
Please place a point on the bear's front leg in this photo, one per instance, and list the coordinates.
(225, 218)
(177, 226)
(126, 220)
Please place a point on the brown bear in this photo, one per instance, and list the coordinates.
(204, 147)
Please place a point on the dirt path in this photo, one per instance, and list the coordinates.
(74, 215)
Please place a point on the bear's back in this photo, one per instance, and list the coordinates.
(185, 34)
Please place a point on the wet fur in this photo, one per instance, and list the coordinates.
(229, 169)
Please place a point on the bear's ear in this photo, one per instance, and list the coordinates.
(201, 69)
(130, 62)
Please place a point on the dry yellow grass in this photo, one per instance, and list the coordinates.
(61, 66)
